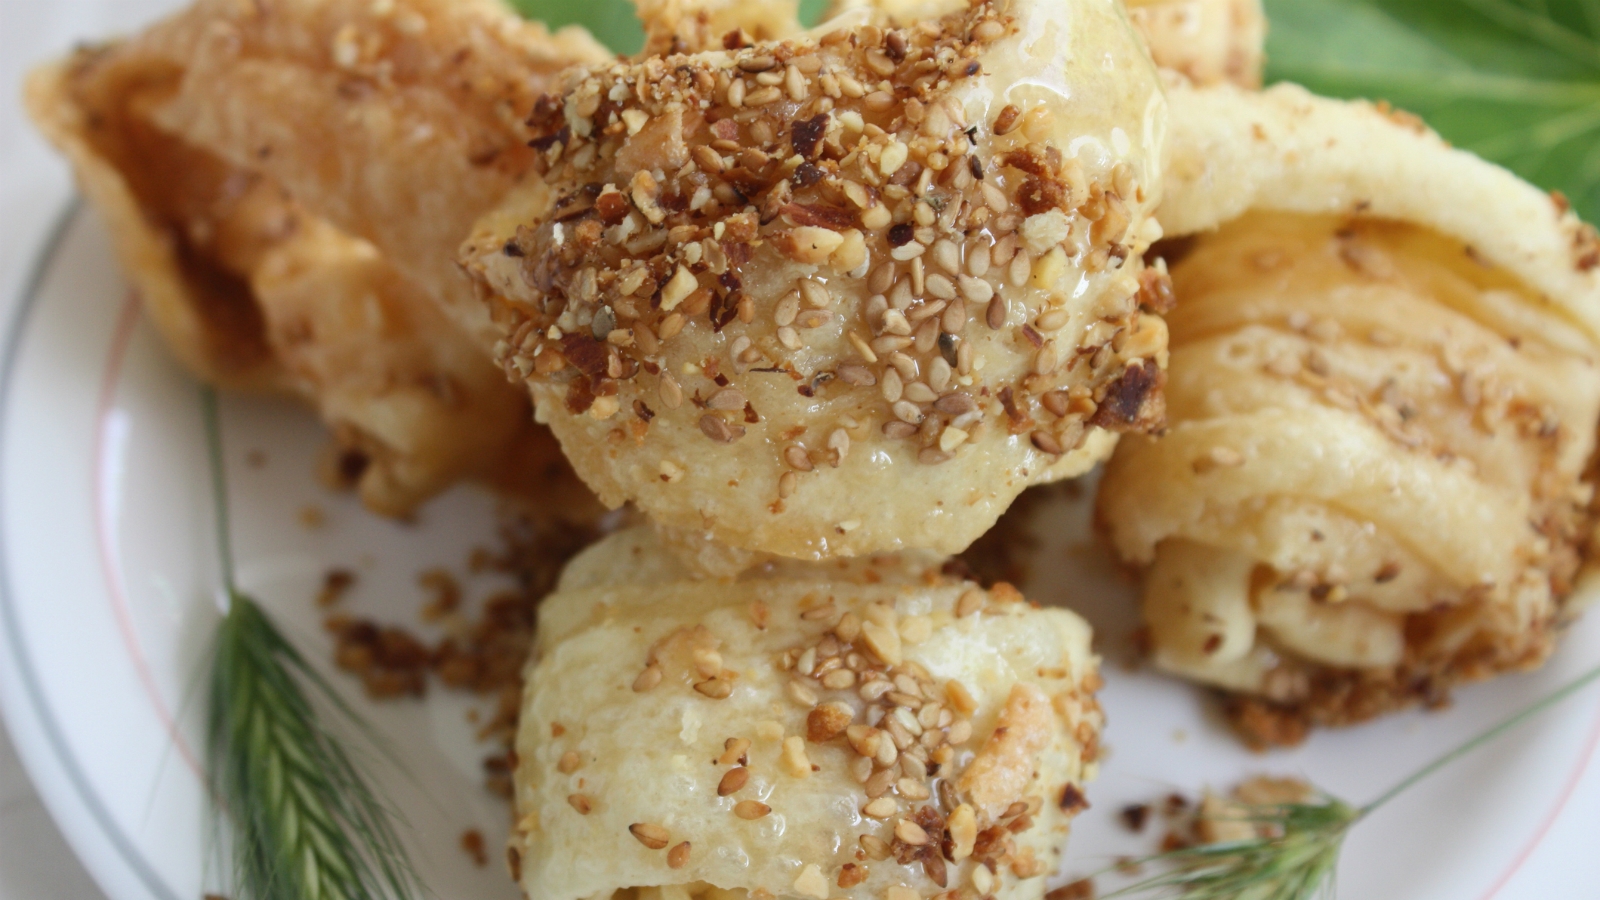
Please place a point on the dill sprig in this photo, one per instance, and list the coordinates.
(305, 823)
(1296, 847)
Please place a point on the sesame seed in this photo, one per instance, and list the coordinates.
(891, 386)
(678, 856)
(971, 601)
(763, 95)
(917, 392)
(913, 790)
(570, 762)
(726, 399)
(707, 662)
(907, 251)
(817, 614)
(1021, 268)
(859, 376)
(883, 808)
(839, 443)
(995, 315)
(1007, 119)
(954, 319)
(751, 809)
(795, 455)
(795, 84)
(787, 309)
(880, 782)
(802, 694)
(814, 318)
(580, 802)
(715, 688)
(862, 347)
(814, 294)
(653, 836)
(649, 678)
(907, 412)
(910, 832)
(874, 847)
(732, 781)
(718, 430)
(839, 679)
(1052, 320)
(955, 404)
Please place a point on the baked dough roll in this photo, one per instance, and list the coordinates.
(1207, 41)
(398, 122)
(844, 293)
(249, 289)
(1383, 400)
(865, 729)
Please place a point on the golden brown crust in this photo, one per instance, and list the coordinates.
(397, 122)
(150, 189)
(250, 289)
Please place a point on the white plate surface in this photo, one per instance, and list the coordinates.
(107, 599)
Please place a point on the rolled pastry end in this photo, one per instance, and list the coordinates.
(806, 731)
(1377, 483)
(759, 291)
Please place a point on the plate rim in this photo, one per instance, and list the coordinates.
(39, 713)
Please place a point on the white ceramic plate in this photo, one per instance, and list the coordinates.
(107, 597)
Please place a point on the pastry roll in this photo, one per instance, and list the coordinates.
(847, 292)
(864, 728)
(1206, 41)
(1383, 402)
(250, 289)
(398, 122)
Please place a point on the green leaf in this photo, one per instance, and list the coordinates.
(1515, 81)
(612, 22)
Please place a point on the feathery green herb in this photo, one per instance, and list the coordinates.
(1514, 81)
(305, 823)
(1296, 855)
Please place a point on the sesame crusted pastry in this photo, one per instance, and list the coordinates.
(849, 292)
(1383, 402)
(250, 289)
(1207, 41)
(861, 729)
